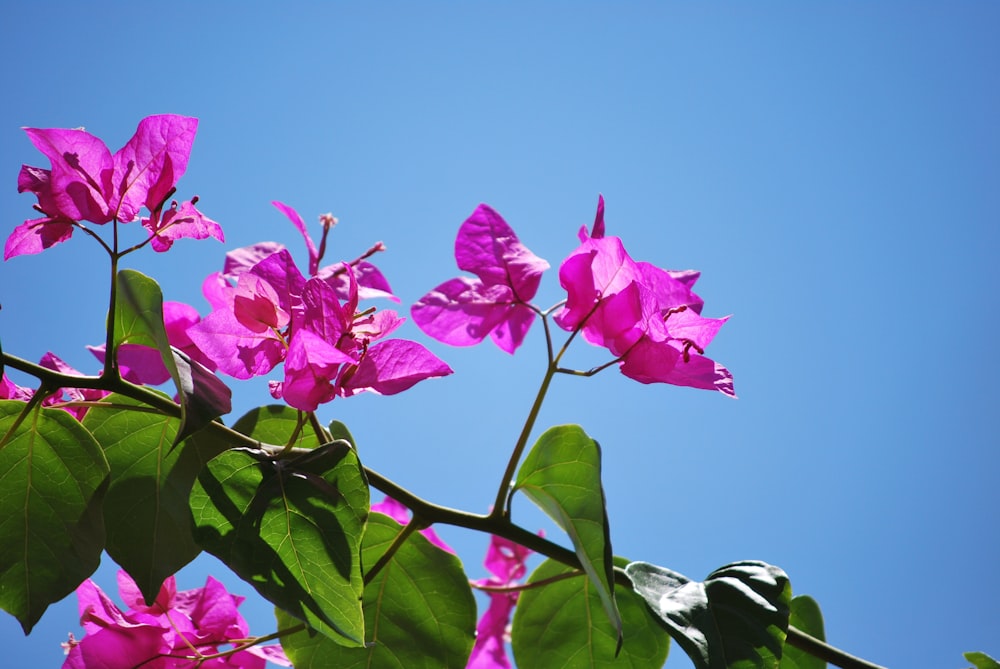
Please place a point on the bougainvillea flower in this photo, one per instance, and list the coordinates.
(371, 282)
(242, 335)
(331, 352)
(172, 633)
(648, 317)
(87, 183)
(506, 561)
(179, 222)
(398, 512)
(463, 311)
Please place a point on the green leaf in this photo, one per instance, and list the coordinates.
(735, 618)
(275, 424)
(146, 511)
(806, 616)
(981, 660)
(53, 477)
(139, 320)
(562, 476)
(419, 610)
(292, 529)
(561, 625)
(339, 431)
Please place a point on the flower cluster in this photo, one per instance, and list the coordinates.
(647, 317)
(180, 630)
(87, 183)
(266, 312)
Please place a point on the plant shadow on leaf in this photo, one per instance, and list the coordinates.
(280, 532)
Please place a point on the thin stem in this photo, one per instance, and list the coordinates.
(500, 505)
(527, 586)
(403, 535)
(110, 355)
(825, 651)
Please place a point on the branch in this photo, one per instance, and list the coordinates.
(425, 513)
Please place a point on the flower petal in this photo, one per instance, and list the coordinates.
(393, 366)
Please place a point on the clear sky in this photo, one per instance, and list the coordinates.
(832, 169)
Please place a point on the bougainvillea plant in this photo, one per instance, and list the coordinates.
(110, 463)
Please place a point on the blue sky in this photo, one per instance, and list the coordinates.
(831, 169)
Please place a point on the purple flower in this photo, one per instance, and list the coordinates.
(274, 315)
(463, 311)
(176, 632)
(87, 183)
(506, 561)
(648, 317)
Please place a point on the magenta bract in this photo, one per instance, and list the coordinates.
(463, 311)
(87, 183)
(649, 318)
(177, 629)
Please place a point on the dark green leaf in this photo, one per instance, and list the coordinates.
(981, 660)
(561, 625)
(806, 616)
(291, 528)
(53, 477)
(562, 475)
(419, 610)
(735, 618)
(139, 320)
(146, 508)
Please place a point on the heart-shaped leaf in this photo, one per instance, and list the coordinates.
(560, 624)
(735, 618)
(562, 476)
(146, 511)
(292, 528)
(419, 610)
(53, 477)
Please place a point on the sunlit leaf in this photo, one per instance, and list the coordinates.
(562, 624)
(562, 476)
(276, 424)
(292, 528)
(981, 660)
(146, 511)
(53, 477)
(139, 320)
(805, 616)
(419, 610)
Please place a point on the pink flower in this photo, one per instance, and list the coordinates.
(648, 317)
(398, 512)
(332, 352)
(87, 183)
(463, 311)
(273, 314)
(174, 632)
(506, 561)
